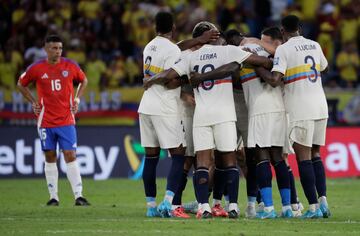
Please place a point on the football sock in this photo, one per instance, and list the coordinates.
(149, 176)
(293, 194)
(176, 173)
(52, 175)
(307, 179)
(73, 175)
(251, 201)
(283, 182)
(232, 183)
(178, 194)
(202, 184)
(219, 183)
(251, 185)
(320, 178)
(258, 197)
(264, 176)
(194, 185)
(150, 202)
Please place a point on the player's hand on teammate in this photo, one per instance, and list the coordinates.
(147, 84)
(75, 107)
(195, 79)
(36, 108)
(209, 36)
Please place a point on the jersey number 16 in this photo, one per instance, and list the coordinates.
(55, 85)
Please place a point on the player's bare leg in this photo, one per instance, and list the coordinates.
(307, 179)
(52, 175)
(74, 177)
(282, 179)
(149, 179)
(320, 178)
(203, 161)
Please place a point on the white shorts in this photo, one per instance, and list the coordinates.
(308, 132)
(287, 149)
(188, 126)
(221, 137)
(266, 130)
(161, 131)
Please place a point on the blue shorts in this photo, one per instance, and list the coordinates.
(64, 135)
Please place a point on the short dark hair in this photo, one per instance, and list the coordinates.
(273, 32)
(230, 34)
(202, 27)
(53, 38)
(164, 22)
(290, 23)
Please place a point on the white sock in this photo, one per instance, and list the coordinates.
(52, 175)
(205, 207)
(216, 202)
(285, 208)
(312, 207)
(323, 200)
(73, 175)
(295, 207)
(173, 207)
(269, 208)
(233, 206)
(251, 204)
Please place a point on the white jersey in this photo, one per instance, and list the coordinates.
(188, 110)
(260, 97)
(214, 99)
(301, 60)
(160, 54)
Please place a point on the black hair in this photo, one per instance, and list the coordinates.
(53, 38)
(290, 23)
(164, 22)
(273, 32)
(230, 34)
(202, 27)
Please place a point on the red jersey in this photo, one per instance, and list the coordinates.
(55, 90)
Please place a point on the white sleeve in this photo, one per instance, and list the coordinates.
(280, 62)
(182, 66)
(323, 60)
(171, 58)
(236, 54)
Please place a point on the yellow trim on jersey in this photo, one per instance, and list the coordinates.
(151, 70)
(300, 69)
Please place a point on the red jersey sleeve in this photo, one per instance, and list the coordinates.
(79, 74)
(28, 76)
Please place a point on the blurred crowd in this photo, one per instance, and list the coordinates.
(106, 37)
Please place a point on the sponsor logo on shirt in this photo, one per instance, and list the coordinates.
(44, 76)
(65, 73)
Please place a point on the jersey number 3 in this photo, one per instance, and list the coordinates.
(313, 68)
(55, 85)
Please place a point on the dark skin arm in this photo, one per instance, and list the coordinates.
(167, 77)
(221, 72)
(208, 36)
(272, 78)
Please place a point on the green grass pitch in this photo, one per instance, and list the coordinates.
(118, 209)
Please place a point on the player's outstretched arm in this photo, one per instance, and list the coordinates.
(166, 77)
(267, 46)
(256, 60)
(208, 36)
(272, 78)
(25, 91)
(219, 73)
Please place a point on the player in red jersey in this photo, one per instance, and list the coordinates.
(55, 109)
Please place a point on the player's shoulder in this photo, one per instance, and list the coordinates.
(70, 62)
(37, 64)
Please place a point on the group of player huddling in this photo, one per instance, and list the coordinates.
(222, 92)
